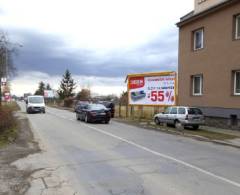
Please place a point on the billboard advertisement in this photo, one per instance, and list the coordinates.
(7, 96)
(152, 89)
(49, 94)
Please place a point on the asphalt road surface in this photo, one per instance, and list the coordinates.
(119, 159)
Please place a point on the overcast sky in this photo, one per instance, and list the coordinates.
(99, 41)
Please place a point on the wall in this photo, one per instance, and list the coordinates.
(216, 61)
(201, 5)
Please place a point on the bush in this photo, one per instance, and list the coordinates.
(7, 119)
(68, 102)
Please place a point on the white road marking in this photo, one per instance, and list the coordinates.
(159, 154)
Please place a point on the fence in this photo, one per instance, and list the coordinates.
(137, 112)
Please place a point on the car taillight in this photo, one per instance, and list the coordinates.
(186, 117)
(93, 113)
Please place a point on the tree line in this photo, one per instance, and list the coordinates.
(66, 90)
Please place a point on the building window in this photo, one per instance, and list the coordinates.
(237, 83)
(197, 81)
(237, 27)
(198, 39)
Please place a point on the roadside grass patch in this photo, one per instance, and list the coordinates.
(8, 123)
(211, 135)
(149, 124)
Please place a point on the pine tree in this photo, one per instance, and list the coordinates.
(41, 88)
(67, 86)
(48, 87)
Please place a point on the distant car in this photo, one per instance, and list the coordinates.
(93, 113)
(181, 116)
(80, 103)
(35, 104)
(109, 105)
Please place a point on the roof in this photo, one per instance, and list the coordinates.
(193, 16)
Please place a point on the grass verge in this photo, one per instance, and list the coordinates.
(8, 136)
(8, 123)
(148, 124)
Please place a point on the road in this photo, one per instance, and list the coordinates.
(119, 159)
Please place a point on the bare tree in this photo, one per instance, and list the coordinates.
(84, 95)
(7, 67)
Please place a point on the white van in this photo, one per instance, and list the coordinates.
(35, 104)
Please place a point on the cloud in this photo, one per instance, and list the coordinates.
(27, 82)
(104, 24)
(97, 41)
(50, 54)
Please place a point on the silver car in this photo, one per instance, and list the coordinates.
(181, 116)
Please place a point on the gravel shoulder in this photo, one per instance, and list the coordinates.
(12, 180)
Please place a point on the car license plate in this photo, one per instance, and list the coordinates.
(102, 113)
(196, 118)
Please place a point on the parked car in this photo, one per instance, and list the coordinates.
(35, 104)
(93, 113)
(80, 103)
(109, 105)
(181, 116)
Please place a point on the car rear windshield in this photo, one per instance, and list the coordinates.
(194, 111)
(35, 100)
(97, 107)
(107, 104)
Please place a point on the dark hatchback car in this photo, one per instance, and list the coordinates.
(93, 113)
(109, 105)
(80, 103)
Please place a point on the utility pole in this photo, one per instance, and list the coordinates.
(6, 50)
(1, 75)
(4, 68)
(0, 92)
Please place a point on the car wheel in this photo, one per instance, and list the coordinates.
(86, 119)
(195, 127)
(77, 117)
(107, 121)
(43, 111)
(156, 120)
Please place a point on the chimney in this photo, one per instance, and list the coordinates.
(202, 5)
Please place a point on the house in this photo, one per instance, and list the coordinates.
(209, 61)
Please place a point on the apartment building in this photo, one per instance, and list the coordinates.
(209, 61)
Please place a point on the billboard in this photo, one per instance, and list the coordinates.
(49, 94)
(7, 96)
(152, 89)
